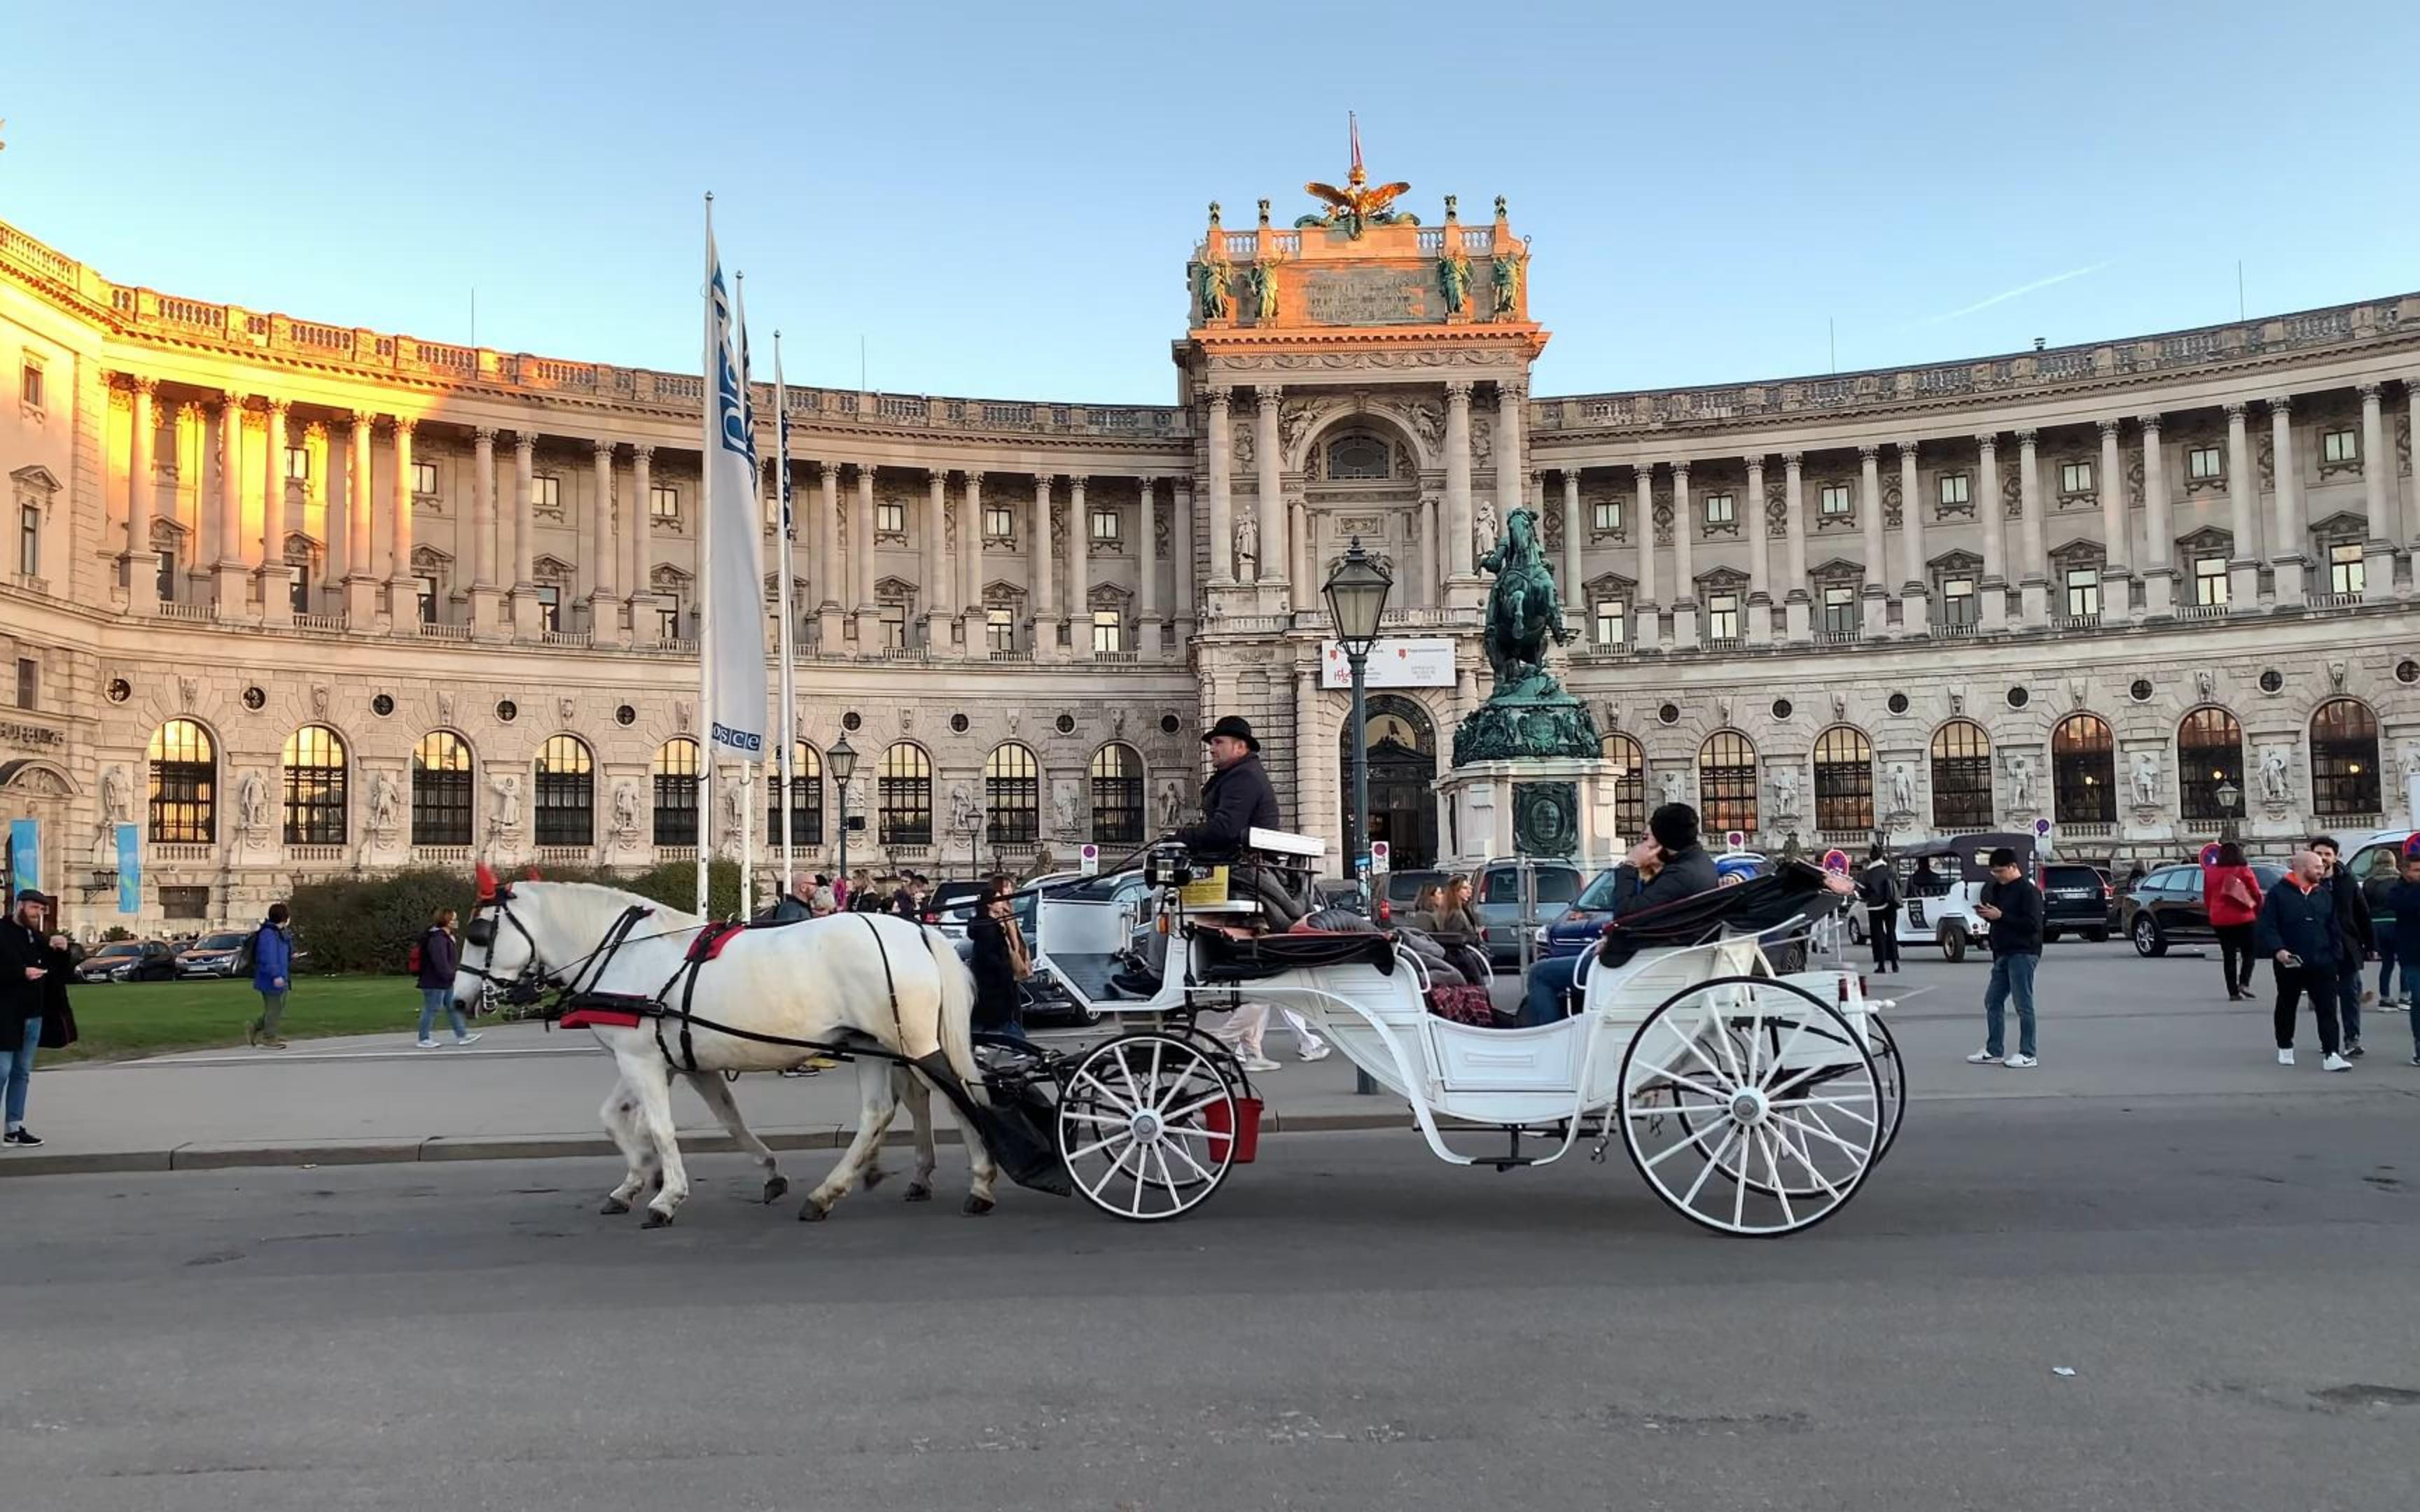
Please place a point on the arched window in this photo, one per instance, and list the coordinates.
(1727, 783)
(2344, 758)
(906, 796)
(184, 785)
(1629, 784)
(1351, 457)
(1962, 776)
(566, 799)
(440, 790)
(1117, 796)
(2083, 771)
(806, 799)
(1844, 780)
(676, 785)
(1012, 796)
(314, 787)
(2210, 751)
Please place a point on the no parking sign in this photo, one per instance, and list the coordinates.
(1735, 840)
(2209, 854)
(1088, 859)
(1380, 854)
(1835, 860)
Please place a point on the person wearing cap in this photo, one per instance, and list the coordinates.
(1666, 867)
(1237, 799)
(33, 965)
(2014, 906)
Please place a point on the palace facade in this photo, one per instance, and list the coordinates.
(299, 598)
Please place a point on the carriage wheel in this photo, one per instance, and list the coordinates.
(1751, 1106)
(1146, 1126)
(1798, 1180)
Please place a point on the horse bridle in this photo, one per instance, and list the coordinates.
(532, 981)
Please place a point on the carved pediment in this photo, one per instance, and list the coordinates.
(428, 559)
(1609, 585)
(2207, 541)
(899, 590)
(1723, 580)
(2341, 527)
(2079, 552)
(551, 570)
(35, 483)
(1955, 563)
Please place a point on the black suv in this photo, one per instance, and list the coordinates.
(2077, 898)
(2166, 907)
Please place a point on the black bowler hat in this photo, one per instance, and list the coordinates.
(1236, 727)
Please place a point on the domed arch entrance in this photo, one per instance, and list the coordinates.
(1402, 780)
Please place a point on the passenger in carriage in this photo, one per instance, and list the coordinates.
(1664, 868)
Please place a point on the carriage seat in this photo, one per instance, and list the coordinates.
(1219, 957)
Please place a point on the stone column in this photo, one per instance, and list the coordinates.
(2410, 529)
(604, 601)
(1148, 640)
(276, 578)
(1276, 553)
(1574, 562)
(1080, 571)
(2293, 546)
(2158, 573)
(639, 546)
(1041, 586)
(2116, 526)
(1180, 539)
(143, 501)
(1428, 593)
(860, 564)
(361, 584)
(1221, 446)
(1311, 759)
(2033, 572)
(528, 616)
(231, 582)
(1759, 617)
(941, 595)
(1302, 574)
(1456, 546)
(1684, 566)
(834, 570)
(2377, 468)
(1874, 598)
(1512, 457)
(1994, 519)
(1647, 615)
(2244, 567)
(1797, 607)
(970, 568)
(487, 604)
(1913, 589)
(402, 593)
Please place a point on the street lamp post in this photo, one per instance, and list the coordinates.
(2227, 795)
(1357, 601)
(842, 758)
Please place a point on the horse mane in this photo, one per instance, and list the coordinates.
(594, 906)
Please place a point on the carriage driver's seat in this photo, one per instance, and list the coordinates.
(1275, 870)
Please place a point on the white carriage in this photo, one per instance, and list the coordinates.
(1753, 1102)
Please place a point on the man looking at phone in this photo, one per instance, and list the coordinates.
(1669, 865)
(2014, 906)
(2297, 930)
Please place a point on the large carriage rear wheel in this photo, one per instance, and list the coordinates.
(1147, 1126)
(1798, 1180)
(1751, 1106)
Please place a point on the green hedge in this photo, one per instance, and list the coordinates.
(368, 924)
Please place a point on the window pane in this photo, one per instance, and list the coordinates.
(424, 477)
(184, 785)
(2210, 580)
(1612, 622)
(440, 790)
(2345, 572)
(2344, 759)
(1953, 487)
(1962, 776)
(675, 775)
(314, 787)
(565, 799)
(1108, 630)
(1117, 796)
(1727, 782)
(1012, 796)
(2084, 771)
(2209, 751)
(1844, 780)
(906, 796)
(1629, 785)
(806, 799)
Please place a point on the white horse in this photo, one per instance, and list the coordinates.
(857, 975)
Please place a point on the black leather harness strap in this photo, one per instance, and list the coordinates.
(898, 1029)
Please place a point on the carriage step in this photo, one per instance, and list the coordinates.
(1506, 1162)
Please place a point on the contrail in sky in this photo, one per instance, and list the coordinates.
(2005, 295)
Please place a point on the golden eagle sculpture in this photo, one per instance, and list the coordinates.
(1357, 206)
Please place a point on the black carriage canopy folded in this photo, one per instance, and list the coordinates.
(1225, 958)
(1792, 890)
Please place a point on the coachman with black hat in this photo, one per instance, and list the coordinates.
(1237, 798)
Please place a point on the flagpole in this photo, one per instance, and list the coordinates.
(705, 574)
(785, 717)
(756, 522)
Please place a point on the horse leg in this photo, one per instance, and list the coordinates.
(875, 1109)
(909, 1088)
(652, 1079)
(716, 1094)
(620, 1114)
(983, 1169)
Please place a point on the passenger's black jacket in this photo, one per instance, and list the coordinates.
(2302, 922)
(1236, 800)
(2018, 930)
(1686, 873)
(19, 999)
(2354, 936)
(995, 973)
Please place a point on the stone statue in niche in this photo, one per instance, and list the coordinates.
(386, 806)
(1785, 791)
(625, 811)
(2021, 782)
(1248, 550)
(251, 805)
(507, 786)
(1902, 783)
(1486, 527)
(2274, 787)
(117, 796)
(1171, 800)
(1673, 782)
(1063, 810)
(2147, 778)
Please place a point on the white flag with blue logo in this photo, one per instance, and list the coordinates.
(732, 610)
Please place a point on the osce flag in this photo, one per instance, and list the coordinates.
(734, 598)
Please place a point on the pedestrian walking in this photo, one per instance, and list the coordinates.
(30, 957)
(1878, 889)
(438, 958)
(2231, 892)
(2297, 931)
(2403, 903)
(273, 965)
(2353, 941)
(2384, 873)
(2014, 906)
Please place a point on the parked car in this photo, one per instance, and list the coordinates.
(1497, 895)
(1581, 924)
(213, 955)
(2079, 898)
(1402, 889)
(129, 961)
(2165, 908)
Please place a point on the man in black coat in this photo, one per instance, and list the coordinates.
(2298, 930)
(34, 964)
(2355, 935)
(1237, 799)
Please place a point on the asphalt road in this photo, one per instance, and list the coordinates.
(2235, 1283)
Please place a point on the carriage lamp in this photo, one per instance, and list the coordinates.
(1357, 601)
(842, 759)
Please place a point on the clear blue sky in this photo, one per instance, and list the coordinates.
(999, 197)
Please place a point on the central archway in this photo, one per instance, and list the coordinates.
(1402, 780)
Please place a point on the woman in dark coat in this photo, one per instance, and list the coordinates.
(998, 949)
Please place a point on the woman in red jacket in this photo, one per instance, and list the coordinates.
(2232, 895)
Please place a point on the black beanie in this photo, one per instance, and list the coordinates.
(1674, 826)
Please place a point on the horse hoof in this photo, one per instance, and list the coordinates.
(873, 1177)
(919, 1191)
(813, 1213)
(775, 1188)
(976, 1206)
(657, 1220)
(613, 1208)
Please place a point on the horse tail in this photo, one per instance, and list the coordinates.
(957, 1012)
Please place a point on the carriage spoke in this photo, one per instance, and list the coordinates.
(1811, 1103)
(1730, 1133)
(1094, 1189)
(1100, 1118)
(1074, 1155)
(1824, 1134)
(1781, 1056)
(1715, 1105)
(1115, 1100)
(1697, 1139)
(1176, 1194)
(1739, 1183)
(1125, 1069)
(1822, 1181)
(1173, 1114)
(1187, 1156)
(1773, 1167)
(1722, 1037)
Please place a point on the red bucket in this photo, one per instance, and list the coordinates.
(1247, 1132)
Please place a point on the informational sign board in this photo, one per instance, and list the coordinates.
(1379, 853)
(1424, 663)
(1088, 859)
(129, 869)
(25, 857)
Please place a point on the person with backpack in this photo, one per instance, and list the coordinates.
(272, 948)
(1878, 889)
(433, 961)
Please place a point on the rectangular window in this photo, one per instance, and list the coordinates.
(297, 464)
(1839, 610)
(2345, 572)
(663, 503)
(427, 592)
(2336, 446)
(297, 588)
(1959, 605)
(545, 492)
(1954, 487)
(894, 626)
(999, 630)
(999, 522)
(1607, 515)
(549, 607)
(184, 903)
(2076, 477)
(667, 624)
(1722, 509)
(1108, 630)
(29, 682)
(1105, 525)
(2210, 580)
(29, 385)
(29, 541)
(2204, 462)
(891, 518)
(2084, 593)
(423, 478)
(1612, 622)
(168, 583)
(1722, 616)
(1834, 500)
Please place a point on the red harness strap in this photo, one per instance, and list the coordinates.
(711, 939)
(595, 1017)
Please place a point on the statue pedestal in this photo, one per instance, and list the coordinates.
(1561, 806)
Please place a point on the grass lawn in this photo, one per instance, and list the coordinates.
(147, 1018)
